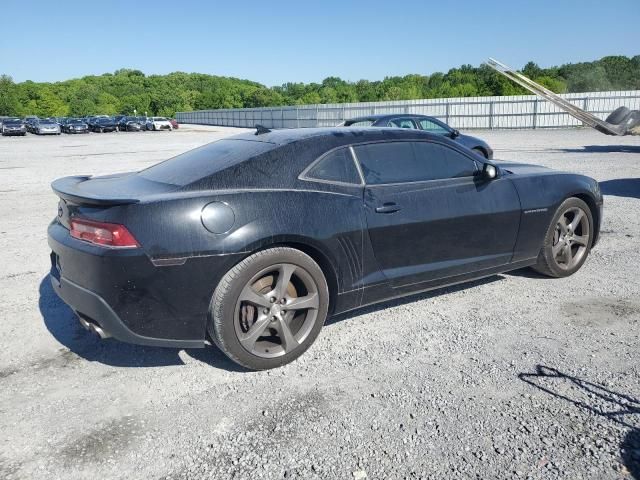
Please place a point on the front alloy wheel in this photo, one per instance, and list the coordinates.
(268, 309)
(570, 238)
(567, 241)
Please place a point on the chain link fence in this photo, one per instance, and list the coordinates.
(525, 111)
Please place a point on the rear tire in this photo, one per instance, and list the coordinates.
(568, 240)
(269, 308)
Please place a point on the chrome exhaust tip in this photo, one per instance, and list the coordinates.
(93, 327)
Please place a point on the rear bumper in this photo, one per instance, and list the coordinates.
(133, 298)
(90, 307)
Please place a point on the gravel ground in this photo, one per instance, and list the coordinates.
(516, 376)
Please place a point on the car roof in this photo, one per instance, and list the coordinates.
(386, 116)
(338, 135)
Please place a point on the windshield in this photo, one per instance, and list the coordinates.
(12, 122)
(104, 120)
(160, 119)
(75, 121)
(204, 161)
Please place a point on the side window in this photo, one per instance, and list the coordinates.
(400, 162)
(392, 162)
(337, 166)
(443, 162)
(402, 123)
(432, 127)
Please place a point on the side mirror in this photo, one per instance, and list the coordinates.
(489, 171)
(455, 133)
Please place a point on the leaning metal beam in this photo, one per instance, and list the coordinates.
(557, 100)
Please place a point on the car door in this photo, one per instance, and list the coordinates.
(429, 216)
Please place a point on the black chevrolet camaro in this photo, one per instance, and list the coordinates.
(256, 239)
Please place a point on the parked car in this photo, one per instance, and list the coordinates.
(75, 125)
(146, 122)
(103, 124)
(46, 126)
(30, 123)
(129, 124)
(13, 126)
(426, 123)
(240, 238)
(174, 123)
(160, 123)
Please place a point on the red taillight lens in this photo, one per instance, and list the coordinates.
(101, 233)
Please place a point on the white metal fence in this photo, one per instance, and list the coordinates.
(524, 111)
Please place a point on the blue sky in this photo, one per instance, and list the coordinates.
(273, 41)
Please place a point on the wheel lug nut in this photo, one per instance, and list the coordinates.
(272, 299)
(265, 311)
(283, 301)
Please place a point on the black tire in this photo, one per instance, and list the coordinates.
(547, 263)
(480, 151)
(619, 115)
(224, 320)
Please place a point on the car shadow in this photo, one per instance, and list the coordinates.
(527, 272)
(62, 323)
(603, 149)
(411, 298)
(621, 187)
(617, 407)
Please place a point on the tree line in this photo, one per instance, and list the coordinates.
(128, 89)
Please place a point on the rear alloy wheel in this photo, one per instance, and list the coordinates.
(269, 309)
(568, 240)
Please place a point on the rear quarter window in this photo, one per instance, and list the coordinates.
(336, 166)
(201, 162)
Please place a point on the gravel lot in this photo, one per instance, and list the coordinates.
(516, 376)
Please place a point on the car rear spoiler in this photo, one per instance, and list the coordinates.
(628, 126)
(67, 189)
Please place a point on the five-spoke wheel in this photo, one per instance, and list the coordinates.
(568, 239)
(269, 308)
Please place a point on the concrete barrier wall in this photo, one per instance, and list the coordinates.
(524, 111)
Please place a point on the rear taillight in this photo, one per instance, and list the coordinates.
(102, 233)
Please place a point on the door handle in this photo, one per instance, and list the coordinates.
(388, 208)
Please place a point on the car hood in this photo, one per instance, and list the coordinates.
(525, 168)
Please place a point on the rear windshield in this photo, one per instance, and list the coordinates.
(358, 123)
(204, 161)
